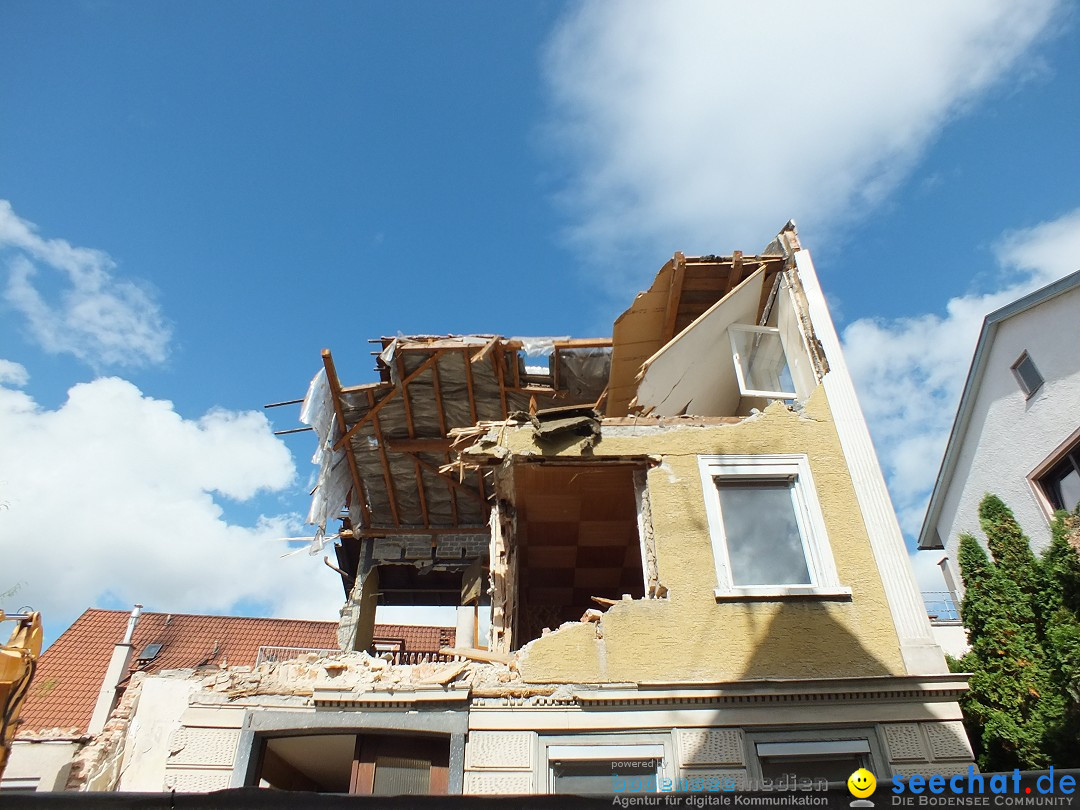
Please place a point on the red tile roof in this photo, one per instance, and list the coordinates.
(70, 672)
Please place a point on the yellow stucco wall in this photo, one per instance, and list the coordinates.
(690, 637)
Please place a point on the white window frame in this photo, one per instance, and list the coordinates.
(824, 582)
(607, 747)
(807, 743)
(744, 389)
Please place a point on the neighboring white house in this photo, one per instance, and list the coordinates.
(1017, 430)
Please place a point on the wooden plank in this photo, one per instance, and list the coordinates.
(452, 482)
(481, 355)
(497, 361)
(371, 414)
(407, 403)
(477, 655)
(436, 386)
(583, 343)
(736, 274)
(394, 531)
(335, 394)
(674, 296)
(388, 479)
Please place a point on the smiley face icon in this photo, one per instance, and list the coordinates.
(862, 783)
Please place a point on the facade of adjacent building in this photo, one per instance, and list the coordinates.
(89, 682)
(1017, 429)
(672, 553)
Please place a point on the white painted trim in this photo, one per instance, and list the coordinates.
(587, 750)
(545, 719)
(736, 358)
(795, 749)
(794, 468)
(612, 747)
(920, 652)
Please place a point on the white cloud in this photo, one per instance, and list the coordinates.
(910, 371)
(74, 304)
(704, 126)
(12, 373)
(114, 498)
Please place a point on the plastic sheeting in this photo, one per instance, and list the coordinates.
(334, 481)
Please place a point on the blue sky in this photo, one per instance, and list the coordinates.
(201, 196)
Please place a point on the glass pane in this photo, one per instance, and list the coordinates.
(764, 365)
(599, 776)
(398, 776)
(763, 540)
(832, 768)
(1030, 378)
(1069, 490)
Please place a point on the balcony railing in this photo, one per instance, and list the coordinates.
(276, 655)
(941, 607)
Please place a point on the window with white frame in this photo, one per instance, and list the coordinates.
(761, 364)
(830, 761)
(606, 764)
(768, 534)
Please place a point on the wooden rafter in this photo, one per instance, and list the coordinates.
(378, 406)
(335, 394)
(407, 403)
(736, 274)
(497, 361)
(433, 531)
(448, 479)
(472, 412)
(388, 479)
(436, 387)
(674, 297)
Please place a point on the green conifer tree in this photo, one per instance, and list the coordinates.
(1022, 624)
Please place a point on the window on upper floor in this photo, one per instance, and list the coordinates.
(768, 533)
(761, 365)
(1061, 483)
(1027, 375)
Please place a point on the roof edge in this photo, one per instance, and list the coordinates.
(926, 540)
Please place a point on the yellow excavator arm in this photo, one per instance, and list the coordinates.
(18, 659)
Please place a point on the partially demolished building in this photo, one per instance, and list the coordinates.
(672, 553)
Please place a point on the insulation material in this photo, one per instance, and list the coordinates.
(686, 376)
(318, 411)
(539, 346)
(334, 481)
(390, 479)
(584, 372)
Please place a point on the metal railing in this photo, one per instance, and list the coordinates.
(941, 607)
(276, 655)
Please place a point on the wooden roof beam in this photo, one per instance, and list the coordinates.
(420, 369)
(335, 394)
(388, 479)
(421, 494)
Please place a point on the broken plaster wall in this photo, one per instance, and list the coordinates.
(689, 636)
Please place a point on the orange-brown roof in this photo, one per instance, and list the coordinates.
(70, 672)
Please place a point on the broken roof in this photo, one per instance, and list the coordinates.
(70, 673)
(387, 450)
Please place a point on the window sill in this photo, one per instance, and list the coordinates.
(837, 593)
